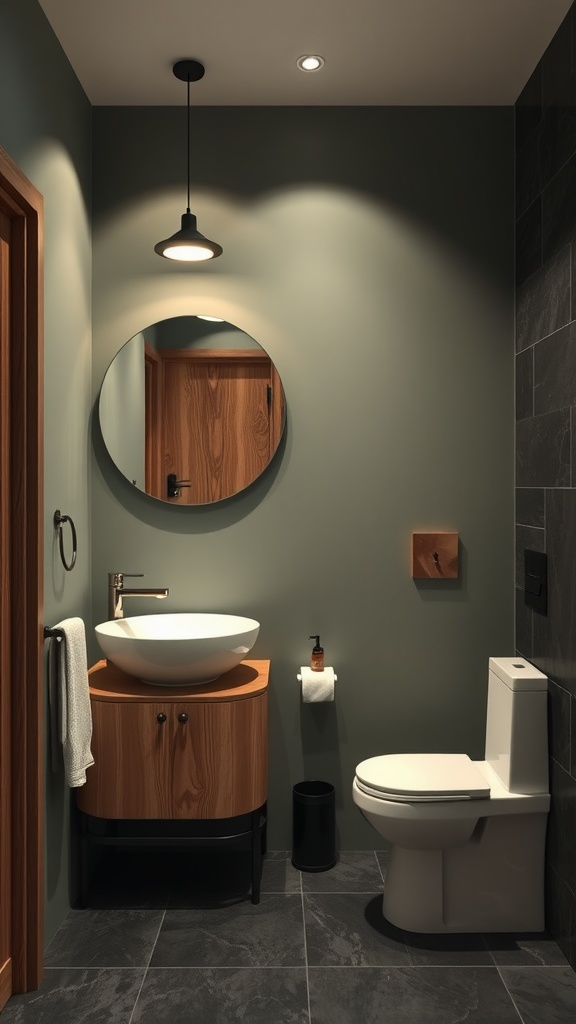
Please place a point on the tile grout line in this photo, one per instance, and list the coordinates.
(487, 948)
(335, 892)
(147, 967)
(396, 967)
(305, 948)
(510, 996)
(326, 967)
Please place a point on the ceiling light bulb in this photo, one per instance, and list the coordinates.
(310, 62)
(187, 252)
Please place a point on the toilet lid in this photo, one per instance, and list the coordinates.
(422, 777)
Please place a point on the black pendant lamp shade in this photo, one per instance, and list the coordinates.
(188, 244)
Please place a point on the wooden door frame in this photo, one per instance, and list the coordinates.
(23, 204)
(153, 423)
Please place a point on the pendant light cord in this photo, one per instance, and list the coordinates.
(188, 140)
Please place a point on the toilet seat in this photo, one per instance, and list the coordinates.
(422, 778)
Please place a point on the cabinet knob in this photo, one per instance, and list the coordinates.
(161, 718)
(182, 717)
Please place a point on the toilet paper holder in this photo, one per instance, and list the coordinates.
(317, 687)
(328, 670)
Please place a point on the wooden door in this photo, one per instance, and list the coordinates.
(221, 420)
(5, 712)
(21, 584)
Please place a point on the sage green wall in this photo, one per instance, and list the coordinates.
(370, 251)
(45, 127)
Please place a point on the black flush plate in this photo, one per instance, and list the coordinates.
(536, 580)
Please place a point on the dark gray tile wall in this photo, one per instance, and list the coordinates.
(546, 430)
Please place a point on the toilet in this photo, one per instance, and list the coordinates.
(467, 837)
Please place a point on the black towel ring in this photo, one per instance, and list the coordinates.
(59, 520)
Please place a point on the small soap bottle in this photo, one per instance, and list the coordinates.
(317, 656)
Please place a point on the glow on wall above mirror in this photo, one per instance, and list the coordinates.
(192, 410)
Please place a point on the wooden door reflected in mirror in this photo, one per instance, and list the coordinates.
(190, 412)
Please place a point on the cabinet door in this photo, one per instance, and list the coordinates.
(131, 775)
(220, 763)
(177, 760)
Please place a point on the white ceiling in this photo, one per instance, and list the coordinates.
(390, 52)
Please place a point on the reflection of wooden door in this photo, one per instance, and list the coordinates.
(221, 420)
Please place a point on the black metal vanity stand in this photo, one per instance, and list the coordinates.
(243, 831)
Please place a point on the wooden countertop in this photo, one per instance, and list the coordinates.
(109, 683)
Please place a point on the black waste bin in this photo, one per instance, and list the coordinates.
(313, 826)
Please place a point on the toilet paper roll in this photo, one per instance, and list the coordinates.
(317, 686)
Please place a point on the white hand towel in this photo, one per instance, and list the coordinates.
(74, 711)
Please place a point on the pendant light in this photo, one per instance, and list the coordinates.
(188, 245)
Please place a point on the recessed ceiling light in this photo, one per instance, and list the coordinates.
(310, 62)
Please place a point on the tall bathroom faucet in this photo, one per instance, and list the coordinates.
(117, 592)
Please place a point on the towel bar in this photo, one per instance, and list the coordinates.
(53, 632)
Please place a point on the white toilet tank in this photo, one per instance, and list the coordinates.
(516, 725)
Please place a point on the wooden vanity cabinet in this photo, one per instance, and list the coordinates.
(173, 754)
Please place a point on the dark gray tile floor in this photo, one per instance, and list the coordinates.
(177, 940)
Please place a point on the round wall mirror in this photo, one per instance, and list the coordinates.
(192, 410)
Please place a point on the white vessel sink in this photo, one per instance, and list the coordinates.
(179, 649)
